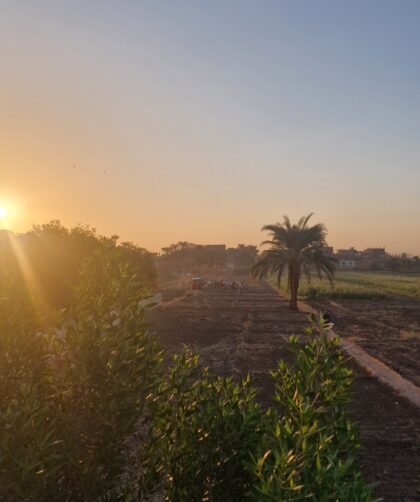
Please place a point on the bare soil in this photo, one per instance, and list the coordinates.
(241, 331)
(387, 329)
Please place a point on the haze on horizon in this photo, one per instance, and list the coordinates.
(163, 121)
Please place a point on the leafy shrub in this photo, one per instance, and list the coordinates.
(85, 403)
(203, 432)
(71, 401)
(28, 445)
(55, 255)
(308, 451)
(108, 365)
(210, 441)
(312, 293)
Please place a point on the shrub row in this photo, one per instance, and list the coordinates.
(210, 440)
(71, 395)
(88, 411)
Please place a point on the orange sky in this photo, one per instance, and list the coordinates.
(206, 128)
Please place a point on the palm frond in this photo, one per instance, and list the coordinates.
(298, 247)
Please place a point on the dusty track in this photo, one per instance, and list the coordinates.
(246, 331)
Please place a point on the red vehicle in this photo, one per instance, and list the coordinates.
(197, 283)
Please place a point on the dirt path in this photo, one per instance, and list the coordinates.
(247, 331)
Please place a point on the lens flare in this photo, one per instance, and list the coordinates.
(3, 212)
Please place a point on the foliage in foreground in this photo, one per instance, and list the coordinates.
(27, 441)
(203, 431)
(87, 411)
(109, 364)
(310, 445)
(71, 398)
(211, 441)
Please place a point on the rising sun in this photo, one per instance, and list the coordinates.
(3, 212)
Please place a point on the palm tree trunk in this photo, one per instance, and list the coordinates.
(290, 285)
(294, 286)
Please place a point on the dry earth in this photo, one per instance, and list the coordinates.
(240, 331)
(387, 329)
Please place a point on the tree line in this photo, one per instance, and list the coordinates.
(50, 258)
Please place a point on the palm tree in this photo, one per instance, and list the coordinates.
(297, 248)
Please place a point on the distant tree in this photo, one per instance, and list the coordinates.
(184, 256)
(180, 246)
(297, 248)
(402, 262)
(242, 258)
(53, 254)
(245, 255)
(141, 260)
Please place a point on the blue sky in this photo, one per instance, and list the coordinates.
(202, 121)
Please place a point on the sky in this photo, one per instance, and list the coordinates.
(201, 121)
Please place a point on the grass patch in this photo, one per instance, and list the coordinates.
(340, 293)
(360, 286)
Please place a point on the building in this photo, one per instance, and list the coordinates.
(369, 259)
(347, 264)
(374, 258)
(348, 259)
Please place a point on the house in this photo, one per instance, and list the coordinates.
(373, 258)
(347, 264)
(348, 259)
(369, 259)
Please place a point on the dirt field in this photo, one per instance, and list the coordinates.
(387, 329)
(240, 331)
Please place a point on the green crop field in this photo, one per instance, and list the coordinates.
(362, 285)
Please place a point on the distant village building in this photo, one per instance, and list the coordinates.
(206, 259)
(217, 259)
(374, 258)
(348, 259)
(369, 259)
(347, 264)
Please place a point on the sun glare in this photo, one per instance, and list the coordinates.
(3, 212)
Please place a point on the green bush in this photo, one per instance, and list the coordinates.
(55, 255)
(71, 400)
(308, 451)
(203, 432)
(29, 456)
(210, 441)
(108, 365)
(312, 293)
(87, 411)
